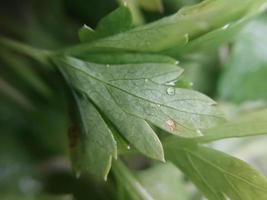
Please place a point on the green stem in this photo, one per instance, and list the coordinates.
(126, 179)
(39, 55)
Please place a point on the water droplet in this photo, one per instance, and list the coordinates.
(107, 65)
(146, 80)
(158, 105)
(78, 174)
(226, 26)
(186, 38)
(171, 124)
(199, 132)
(191, 84)
(128, 147)
(170, 91)
(177, 62)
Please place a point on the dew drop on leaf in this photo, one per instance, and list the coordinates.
(107, 65)
(170, 91)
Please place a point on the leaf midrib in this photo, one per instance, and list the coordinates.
(107, 83)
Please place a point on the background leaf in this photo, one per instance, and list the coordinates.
(173, 31)
(165, 181)
(130, 183)
(247, 61)
(217, 175)
(109, 25)
(250, 124)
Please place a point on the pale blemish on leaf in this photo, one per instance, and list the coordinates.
(171, 124)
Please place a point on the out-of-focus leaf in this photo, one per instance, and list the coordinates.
(214, 38)
(96, 146)
(173, 31)
(250, 124)
(21, 68)
(174, 5)
(164, 181)
(35, 197)
(152, 5)
(133, 5)
(120, 20)
(218, 175)
(15, 95)
(130, 183)
(246, 68)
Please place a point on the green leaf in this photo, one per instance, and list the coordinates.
(164, 181)
(215, 37)
(87, 78)
(120, 20)
(96, 145)
(210, 40)
(248, 62)
(136, 12)
(174, 31)
(22, 68)
(250, 124)
(87, 34)
(140, 90)
(151, 5)
(128, 58)
(218, 175)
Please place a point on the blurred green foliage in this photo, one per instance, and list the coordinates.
(36, 105)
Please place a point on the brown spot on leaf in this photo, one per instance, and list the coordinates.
(73, 136)
(171, 124)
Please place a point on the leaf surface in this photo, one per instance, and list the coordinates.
(97, 145)
(248, 62)
(173, 31)
(140, 90)
(250, 124)
(218, 175)
(133, 129)
(120, 20)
